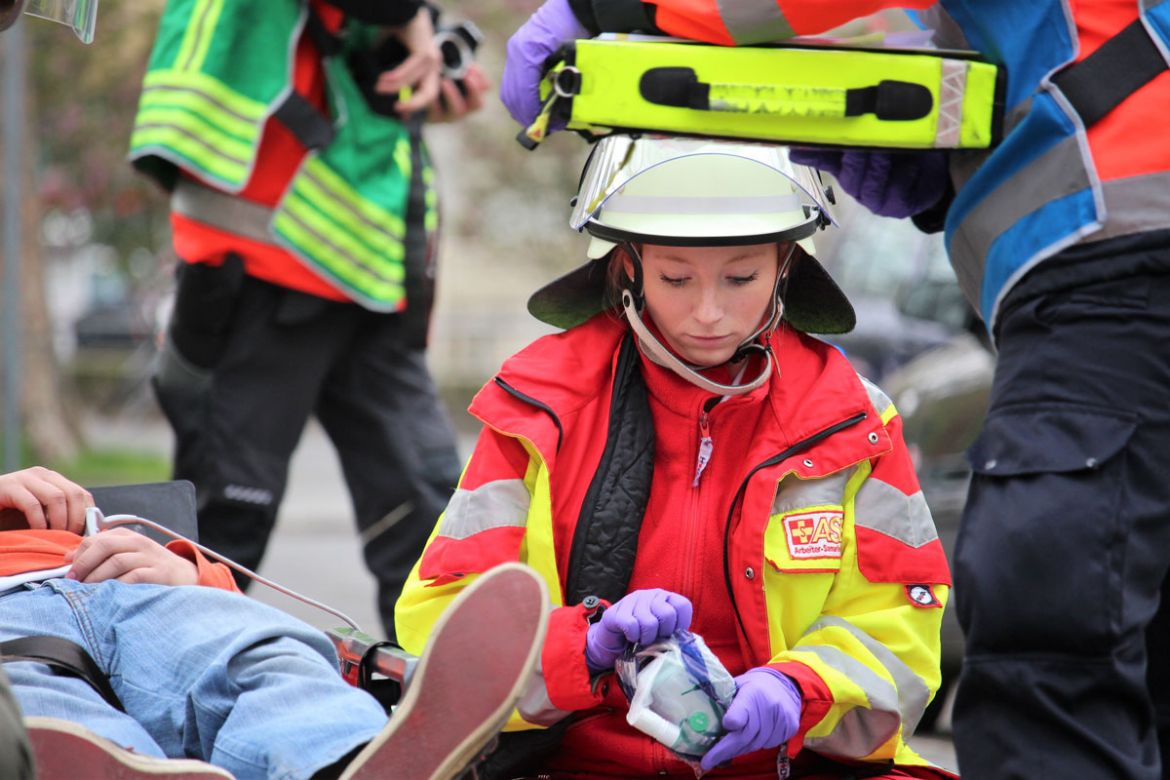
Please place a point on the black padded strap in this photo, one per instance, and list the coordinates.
(304, 121)
(1119, 67)
(64, 657)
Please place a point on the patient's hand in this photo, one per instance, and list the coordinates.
(39, 498)
(123, 555)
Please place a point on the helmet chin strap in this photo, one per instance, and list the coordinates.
(658, 353)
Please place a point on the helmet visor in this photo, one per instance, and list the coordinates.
(617, 160)
(80, 15)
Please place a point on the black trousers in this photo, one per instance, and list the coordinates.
(280, 357)
(1062, 554)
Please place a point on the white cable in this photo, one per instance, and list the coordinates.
(114, 521)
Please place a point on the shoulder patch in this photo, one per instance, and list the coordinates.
(922, 595)
(812, 535)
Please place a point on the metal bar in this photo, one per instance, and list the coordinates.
(392, 662)
(14, 106)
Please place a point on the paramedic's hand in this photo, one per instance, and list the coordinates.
(419, 71)
(124, 555)
(765, 713)
(42, 499)
(641, 617)
(892, 184)
(453, 104)
(552, 26)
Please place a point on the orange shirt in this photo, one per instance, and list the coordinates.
(278, 158)
(28, 550)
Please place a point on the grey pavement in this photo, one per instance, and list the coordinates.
(315, 549)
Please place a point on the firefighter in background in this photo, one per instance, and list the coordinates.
(304, 214)
(686, 454)
(1060, 237)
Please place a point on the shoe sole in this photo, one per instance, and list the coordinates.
(480, 656)
(63, 750)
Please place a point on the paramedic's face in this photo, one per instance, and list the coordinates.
(707, 300)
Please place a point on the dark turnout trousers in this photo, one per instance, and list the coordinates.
(1062, 555)
(281, 357)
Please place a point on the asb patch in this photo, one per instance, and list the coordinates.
(922, 596)
(812, 535)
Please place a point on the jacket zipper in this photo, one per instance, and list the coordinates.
(772, 461)
(705, 447)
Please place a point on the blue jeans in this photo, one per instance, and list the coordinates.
(202, 673)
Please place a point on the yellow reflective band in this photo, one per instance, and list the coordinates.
(539, 551)
(198, 83)
(328, 258)
(226, 144)
(376, 239)
(402, 158)
(333, 185)
(201, 109)
(202, 156)
(386, 264)
(197, 40)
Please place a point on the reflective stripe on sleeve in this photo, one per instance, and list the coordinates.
(861, 731)
(535, 706)
(884, 508)
(796, 493)
(497, 504)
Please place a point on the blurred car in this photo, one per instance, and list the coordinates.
(919, 339)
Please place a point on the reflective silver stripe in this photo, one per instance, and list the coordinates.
(754, 21)
(1135, 204)
(220, 210)
(501, 503)
(882, 507)
(860, 731)
(535, 706)
(1057, 173)
(877, 396)
(797, 493)
(950, 103)
(683, 204)
(912, 693)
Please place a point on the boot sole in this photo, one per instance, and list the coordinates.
(480, 656)
(63, 750)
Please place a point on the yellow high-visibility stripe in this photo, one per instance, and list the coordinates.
(349, 274)
(377, 237)
(201, 25)
(388, 269)
(226, 144)
(229, 100)
(202, 156)
(539, 552)
(204, 110)
(343, 191)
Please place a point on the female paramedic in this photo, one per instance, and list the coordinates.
(684, 454)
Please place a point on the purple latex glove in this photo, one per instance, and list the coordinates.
(892, 184)
(552, 26)
(764, 713)
(641, 617)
